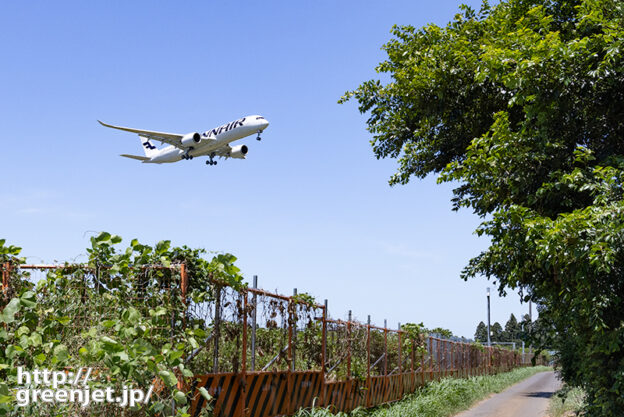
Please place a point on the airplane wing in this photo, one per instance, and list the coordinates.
(169, 138)
(223, 151)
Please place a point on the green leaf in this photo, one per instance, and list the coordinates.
(179, 397)
(61, 353)
(35, 339)
(168, 378)
(131, 315)
(40, 359)
(28, 299)
(8, 314)
(103, 237)
(159, 311)
(204, 393)
(175, 354)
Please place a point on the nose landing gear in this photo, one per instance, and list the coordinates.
(258, 137)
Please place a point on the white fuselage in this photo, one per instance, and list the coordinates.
(214, 139)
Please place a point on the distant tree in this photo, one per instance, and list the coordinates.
(445, 333)
(497, 332)
(512, 330)
(525, 326)
(481, 333)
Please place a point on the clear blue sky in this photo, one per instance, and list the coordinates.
(310, 207)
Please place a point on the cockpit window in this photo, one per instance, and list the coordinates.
(259, 117)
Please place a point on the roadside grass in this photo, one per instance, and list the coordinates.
(442, 398)
(574, 401)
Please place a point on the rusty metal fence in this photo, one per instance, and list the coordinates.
(267, 354)
(285, 353)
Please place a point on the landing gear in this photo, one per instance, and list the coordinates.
(186, 154)
(259, 138)
(211, 161)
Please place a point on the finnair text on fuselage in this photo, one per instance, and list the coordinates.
(224, 128)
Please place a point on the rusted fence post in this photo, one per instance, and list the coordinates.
(6, 268)
(430, 354)
(349, 347)
(184, 289)
(217, 329)
(324, 357)
(385, 347)
(291, 359)
(400, 363)
(446, 358)
(349, 392)
(452, 361)
(294, 332)
(400, 348)
(413, 354)
(254, 319)
(438, 361)
(243, 376)
(183, 283)
(368, 360)
(422, 362)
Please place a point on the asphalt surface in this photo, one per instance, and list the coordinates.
(529, 398)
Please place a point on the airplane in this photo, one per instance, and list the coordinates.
(213, 143)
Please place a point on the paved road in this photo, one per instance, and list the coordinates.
(528, 398)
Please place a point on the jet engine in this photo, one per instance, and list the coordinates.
(239, 152)
(190, 139)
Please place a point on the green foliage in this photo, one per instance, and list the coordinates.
(568, 400)
(122, 313)
(497, 332)
(521, 105)
(8, 253)
(512, 330)
(444, 333)
(304, 298)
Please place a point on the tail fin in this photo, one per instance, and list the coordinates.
(137, 157)
(149, 148)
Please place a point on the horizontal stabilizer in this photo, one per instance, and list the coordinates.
(137, 157)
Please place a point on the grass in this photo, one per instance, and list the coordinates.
(570, 405)
(440, 398)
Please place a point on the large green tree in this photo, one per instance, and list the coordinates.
(521, 105)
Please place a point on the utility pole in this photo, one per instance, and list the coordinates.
(488, 306)
(530, 325)
(523, 337)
